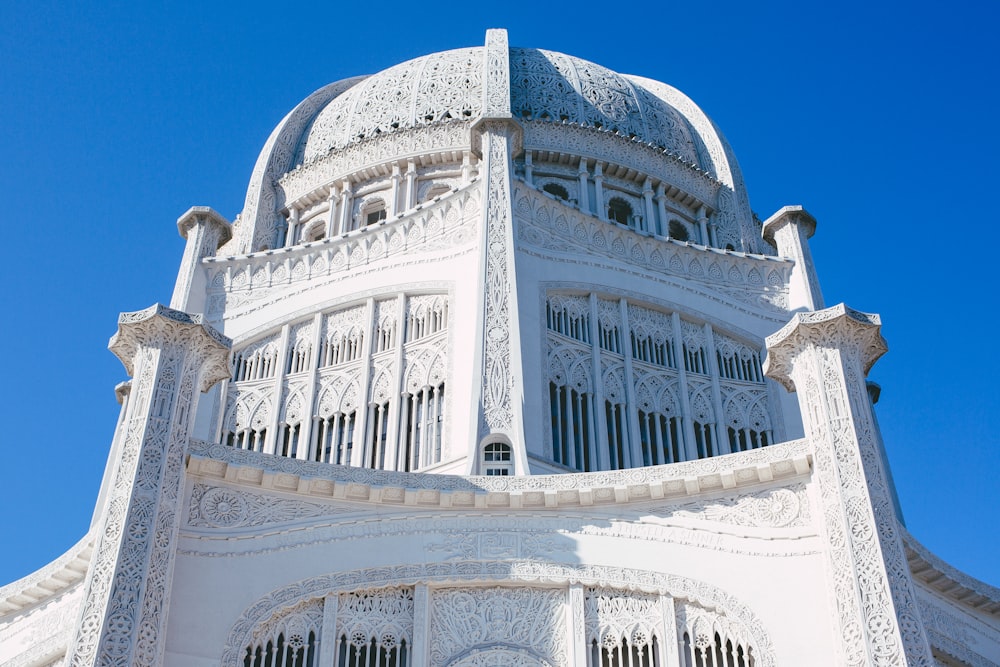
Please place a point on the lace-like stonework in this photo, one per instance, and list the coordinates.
(480, 617)
(555, 87)
(437, 88)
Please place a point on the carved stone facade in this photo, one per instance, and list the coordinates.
(496, 368)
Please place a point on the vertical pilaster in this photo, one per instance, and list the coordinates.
(649, 225)
(411, 185)
(577, 625)
(328, 635)
(344, 213)
(662, 227)
(331, 220)
(584, 187)
(172, 356)
(824, 356)
(204, 230)
(421, 626)
(600, 412)
(364, 403)
(498, 137)
(635, 441)
(599, 203)
(669, 648)
(690, 448)
(722, 433)
(394, 207)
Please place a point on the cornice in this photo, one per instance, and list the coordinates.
(542, 492)
(53, 579)
(945, 579)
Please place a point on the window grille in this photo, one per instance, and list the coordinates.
(423, 422)
(497, 460)
(569, 316)
(573, 442)
(335, 438)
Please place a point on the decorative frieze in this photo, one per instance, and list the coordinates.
(557, 230)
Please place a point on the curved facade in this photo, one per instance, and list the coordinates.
(496, 367)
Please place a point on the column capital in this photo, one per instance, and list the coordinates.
(204, 215)
(788, 215)
(160, 326)
(836, 327)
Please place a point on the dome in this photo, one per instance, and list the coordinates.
(567, 110)
(544, 85)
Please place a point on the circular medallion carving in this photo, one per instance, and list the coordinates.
(223, 507)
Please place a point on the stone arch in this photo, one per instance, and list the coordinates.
(499, 654)
(526, 572)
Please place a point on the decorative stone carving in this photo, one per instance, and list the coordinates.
(223, 507)
(171, 356)
(500, 312)
(756, 281)
(477, 619)
(491, 572)
(825, 355)
(774, 508)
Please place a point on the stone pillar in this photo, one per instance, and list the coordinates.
(204, 230)
(647, 197)
(584, 186)
(394, 207)
(498, 138)
(824, 356)
(346, 223)
(602, 206)
(662, 228)
(703, 227)
(171, 356)
(789, 230)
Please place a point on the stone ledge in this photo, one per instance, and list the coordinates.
(325, 480)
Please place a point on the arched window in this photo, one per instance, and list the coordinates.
(373, 212)
(556, 190)
(436, 190)
(678, 231)
(497, 459)
(314, 232)
(619, 211)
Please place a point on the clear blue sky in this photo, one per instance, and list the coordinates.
(880, 118)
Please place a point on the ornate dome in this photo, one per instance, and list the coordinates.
(568, 110)
(545, 85)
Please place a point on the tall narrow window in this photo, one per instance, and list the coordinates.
(573, 441)
(422, 418)
(335, 438)
(378, 435)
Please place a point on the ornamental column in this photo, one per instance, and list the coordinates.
(789, 230)
(171, 356)
(497, 138)
(204, 230)
(824, 356)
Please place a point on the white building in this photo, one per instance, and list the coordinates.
(499, 369)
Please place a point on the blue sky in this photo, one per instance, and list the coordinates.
(879, 118)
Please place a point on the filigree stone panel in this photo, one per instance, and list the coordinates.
(173, 355)
(480, 618)
(825, 356)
